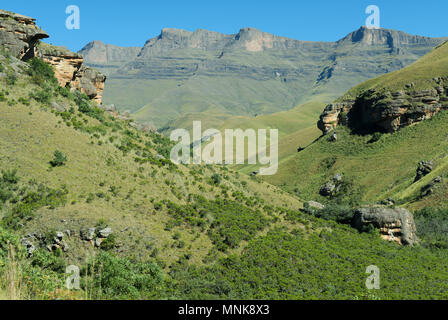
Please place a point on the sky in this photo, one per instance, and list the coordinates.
(131, 22)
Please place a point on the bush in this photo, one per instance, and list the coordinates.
(42, 96)
(120, 278)
(339, 213)
(216, 179)
(59, 159)
(432, 227)
(41, 72)
(11, 78)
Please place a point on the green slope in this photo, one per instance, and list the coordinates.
(196, 232)
(385, 168)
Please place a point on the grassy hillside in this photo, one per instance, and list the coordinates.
(421, 74)
(196, 232)
(379, 165)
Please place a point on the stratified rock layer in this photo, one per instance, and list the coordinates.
(386, 111)
(19, 34)
(394, 224)
(71, 71)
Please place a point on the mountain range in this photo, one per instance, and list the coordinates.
(213, 76)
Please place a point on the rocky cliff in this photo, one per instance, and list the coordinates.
(106, 57)
(386, 111)
(70, 71)
(393, 101)
(19, 36)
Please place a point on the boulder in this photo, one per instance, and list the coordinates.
(424, 168)
(327, 189)
(315, 205)
(333, 186)
(394, 224)
(104, 233)
(88, 234)
(30, 248)
(430, 187)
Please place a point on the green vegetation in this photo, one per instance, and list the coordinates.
(421, 74)
(432, 227)
(59, 159)
(204, 232)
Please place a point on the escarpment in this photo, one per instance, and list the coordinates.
(19, 37)
(71, 71)
(386, 111)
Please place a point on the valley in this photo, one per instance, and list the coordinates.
(86, 185)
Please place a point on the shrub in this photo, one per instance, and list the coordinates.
(43, 96)
(216, 179)
(336, 212)
(120, 278)
(432, 227)
(11, 78)
(41, 72)
(59, 159)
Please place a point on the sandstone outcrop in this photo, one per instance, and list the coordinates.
(386, 111)
(71, 71)
(19, 36)
(394, 224)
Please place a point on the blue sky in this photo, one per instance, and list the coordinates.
(131, 23)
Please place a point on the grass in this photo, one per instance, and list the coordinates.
(421, 73)
(196, 232)
(382, 169)
(30, 135)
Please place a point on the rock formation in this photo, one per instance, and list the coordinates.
(20, 36)
(386, 111)
(332, 187)
(70, 71)
(394, 224)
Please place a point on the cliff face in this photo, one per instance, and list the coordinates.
(386, 111)
(19, 34)
(108, 58)
(20, 37)
(70, 71)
